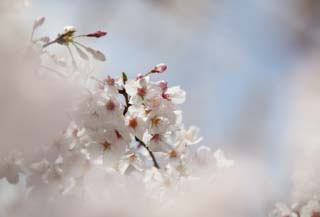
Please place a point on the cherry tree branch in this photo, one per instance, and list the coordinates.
(155, 163)
(126, 97)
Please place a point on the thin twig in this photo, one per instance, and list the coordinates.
(126, 97)
(155, 163)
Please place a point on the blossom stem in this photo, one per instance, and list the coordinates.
(126, 97)
(155, 163)
(148, 73)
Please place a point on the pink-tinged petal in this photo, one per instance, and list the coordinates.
(160, 68)
(163, 85)
(82, 54)
(139, 77)
(96, 34)
(98, 55)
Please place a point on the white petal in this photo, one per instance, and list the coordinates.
(177, 95)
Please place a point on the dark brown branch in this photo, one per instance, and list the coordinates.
(155, 163)
(126, 97)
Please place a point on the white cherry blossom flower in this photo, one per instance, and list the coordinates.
(141, 90)
(97, 111)
(157, 142)
(159, 182)
(111, 85)
(190, 136)
(131, 161)
(135, 120)
(175, 94)
(161, 121)
(108, 145)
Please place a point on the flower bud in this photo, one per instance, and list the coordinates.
(163, 85)
(139, 77)
(96, 34)
(160, 68)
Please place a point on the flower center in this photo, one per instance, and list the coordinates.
(141, 91)
(133, 123)
(109, 81)
(166, 96)
(106, 146)
(110, 105)
(118, 134)
(173, 153)
(155, 121)
(132, 157)
(156, 138)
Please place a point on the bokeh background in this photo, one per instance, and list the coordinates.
(249, 67)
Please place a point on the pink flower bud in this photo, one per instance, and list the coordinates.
(96, 34)
(160, 68)
(166, 96)
(139, 76)
(163, 85)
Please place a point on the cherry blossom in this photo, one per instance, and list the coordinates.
(121, 126)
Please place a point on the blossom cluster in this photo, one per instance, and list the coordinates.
(124, 126)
